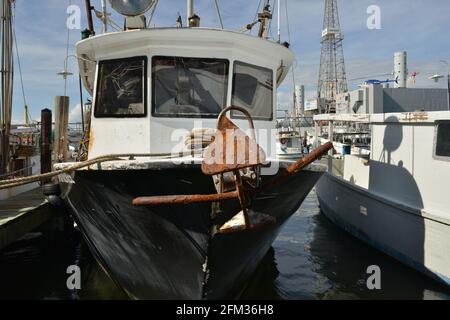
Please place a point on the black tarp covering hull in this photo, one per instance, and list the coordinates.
(172, 252)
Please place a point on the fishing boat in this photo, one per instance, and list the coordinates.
(294, 139)
(19, 148)
(387, 184)
(177, 198)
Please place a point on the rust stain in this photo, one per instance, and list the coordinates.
(415, 116)
(91, 140)
(184, 199)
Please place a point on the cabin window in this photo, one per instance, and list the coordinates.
(121, 88)
(443, 139)
(189, 87)
(253, 90)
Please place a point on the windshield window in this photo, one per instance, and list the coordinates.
(253, 90)
(189, 87)
(121, 88)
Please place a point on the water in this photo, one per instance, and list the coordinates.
(311, 259)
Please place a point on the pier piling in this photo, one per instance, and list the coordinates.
(46, 141)
(61, 125)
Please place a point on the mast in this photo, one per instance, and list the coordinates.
(264, 19)
(279, 21)
(104, 16)
(89, 16)
(190, 10)
(6, 83)
(193, 20)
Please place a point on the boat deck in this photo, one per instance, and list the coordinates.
(21, 214)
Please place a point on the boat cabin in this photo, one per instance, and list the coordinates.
(152, 87)
(407, 160)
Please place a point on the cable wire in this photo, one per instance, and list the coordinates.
(19, 64)
(218, 13)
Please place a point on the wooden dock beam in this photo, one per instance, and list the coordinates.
(22, 214)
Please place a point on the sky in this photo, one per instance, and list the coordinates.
(419, 27)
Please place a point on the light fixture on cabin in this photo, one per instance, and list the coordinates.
(131, 8)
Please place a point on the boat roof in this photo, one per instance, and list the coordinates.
(182, 42)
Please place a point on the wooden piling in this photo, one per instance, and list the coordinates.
(61, 146)
(46, 141)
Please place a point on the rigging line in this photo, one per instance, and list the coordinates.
(218, 13)
(270, 34)
(19, 64)
(81, 103)
(153, 13)
(66, 60)
(257, 10)
(287, 20)
(256, 14)
(114, 25)
(289, 39)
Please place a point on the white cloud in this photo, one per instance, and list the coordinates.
(75, 114)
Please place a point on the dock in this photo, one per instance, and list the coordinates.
(21, 214)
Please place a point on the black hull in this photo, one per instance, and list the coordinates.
(170, 252)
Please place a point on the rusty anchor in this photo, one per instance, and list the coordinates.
(234, 161)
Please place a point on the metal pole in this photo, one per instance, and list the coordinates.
(190, 10)
(279, 21)
(104, 17)
(6, 83)
(81, 104)
(264, 20)
(448, 81)
(448, 90)
(89, 16)
(330, 135)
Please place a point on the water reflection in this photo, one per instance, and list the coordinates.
(311, 259)
(263, 285)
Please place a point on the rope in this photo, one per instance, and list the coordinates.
(27, 180)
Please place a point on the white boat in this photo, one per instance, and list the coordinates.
(394, 194)
(294, 140)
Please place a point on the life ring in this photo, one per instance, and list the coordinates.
(283, 141)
